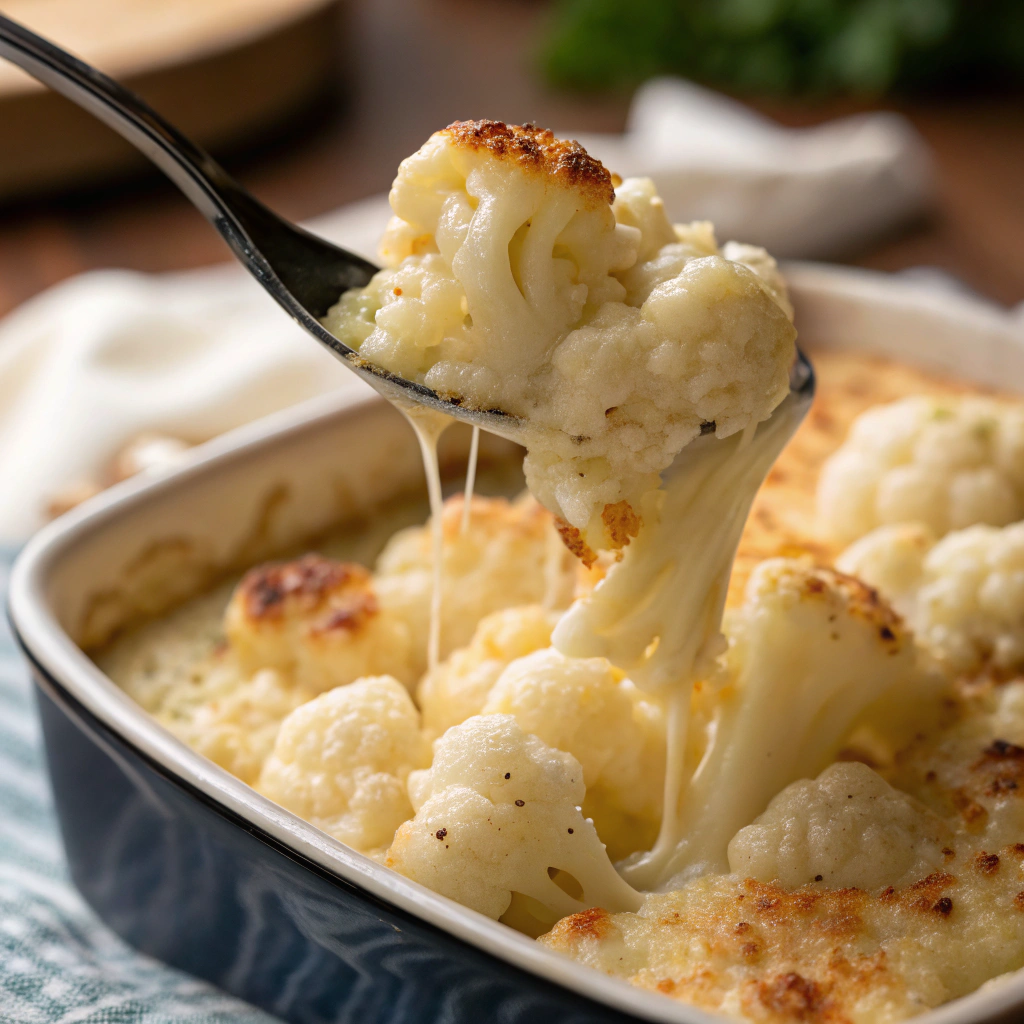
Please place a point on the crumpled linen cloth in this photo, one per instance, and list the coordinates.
(91, 364)
(58, 963)
(802, 193)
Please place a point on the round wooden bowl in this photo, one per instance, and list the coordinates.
(223, 71)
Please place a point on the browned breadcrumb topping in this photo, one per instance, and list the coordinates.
(573, 540)
(595, 923)
(309, 585)
(349, 614)
(793, 997)
(621, 522)
(1000, 769)
(760, 925)
(537, 149)
(987, 863)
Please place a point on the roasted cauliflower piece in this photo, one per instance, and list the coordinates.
(458, 687)
(848, 828)
(946, 462)
(509, 556)
(341, 761)
(810, 650)
(963, 595)
(233, 720)
(519, 278)
(497, 815)
(586, 708)
(319, 622)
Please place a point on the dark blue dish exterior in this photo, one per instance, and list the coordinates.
(184, 880)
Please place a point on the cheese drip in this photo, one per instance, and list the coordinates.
(429, 426)
(474, 454)
(658, 613)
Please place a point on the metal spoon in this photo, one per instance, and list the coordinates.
(304, 274)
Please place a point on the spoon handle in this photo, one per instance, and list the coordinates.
(275, 252)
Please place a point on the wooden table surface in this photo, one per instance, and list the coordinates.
(407, 67)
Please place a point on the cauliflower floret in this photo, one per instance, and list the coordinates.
(588, 709)
(231, 720)
(510, 555)
(891, 559)
(809, 651)
(319, 622)
(497, 814)
(458, 687)
(341, 761)
(848, 828)
(946, 462)
(963, 596)
(519, 279)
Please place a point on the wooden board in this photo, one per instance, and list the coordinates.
(221, 70)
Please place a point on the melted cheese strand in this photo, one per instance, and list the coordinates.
(658, 613)
(474, 452)
(429, 426)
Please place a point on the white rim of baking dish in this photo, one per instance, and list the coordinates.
(815, 287)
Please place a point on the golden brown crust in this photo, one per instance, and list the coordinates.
(793, 955)
(621, 522)
(1000, 769)
(308, 585)
(573, 540)
(924, 896)
(862, 602)
(537, 149)
(595, 923)
(791, 996)
(866, 603)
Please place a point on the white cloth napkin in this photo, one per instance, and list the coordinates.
(88, 366)
(800, 192)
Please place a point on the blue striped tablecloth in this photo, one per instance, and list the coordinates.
(58, 963)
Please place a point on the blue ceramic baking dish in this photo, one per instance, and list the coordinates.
(192, 866)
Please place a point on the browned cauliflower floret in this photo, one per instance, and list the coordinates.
(318, 621)
(508, 556)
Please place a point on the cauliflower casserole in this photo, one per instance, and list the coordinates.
(769, 764)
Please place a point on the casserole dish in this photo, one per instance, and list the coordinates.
(192, 866)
